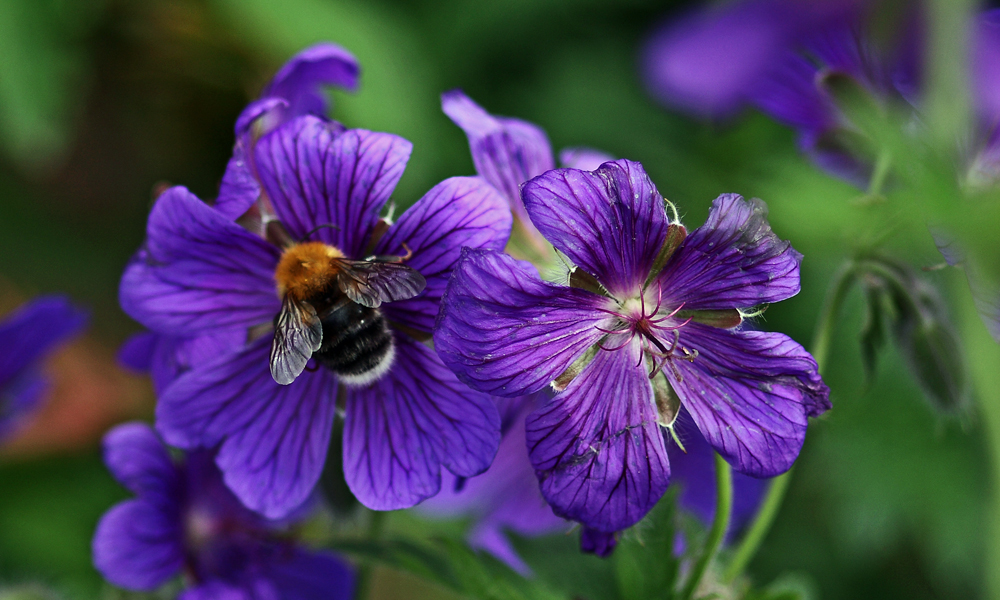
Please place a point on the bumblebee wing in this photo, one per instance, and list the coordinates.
(372, 282)
(298, 333)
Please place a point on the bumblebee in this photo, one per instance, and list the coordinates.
(330, 312)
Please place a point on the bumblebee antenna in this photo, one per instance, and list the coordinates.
(317, 228)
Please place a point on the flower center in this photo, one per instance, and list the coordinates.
(658, 331)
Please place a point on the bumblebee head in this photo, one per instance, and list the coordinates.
(306, 269)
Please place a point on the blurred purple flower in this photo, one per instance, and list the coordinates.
(183, 520)
(645, 300)
(785, 57)
(204, 274)
(778, 56)
(788, 59)
(508, 152)
(27, 336)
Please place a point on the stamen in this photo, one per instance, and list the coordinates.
(601, 343)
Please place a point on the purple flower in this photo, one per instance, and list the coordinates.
(789, 64)
(504, 498)
(788, 59)
(183, 520)
(507, 152)
(646, 326)
(292, 92)
(27, 336)
(206, 274)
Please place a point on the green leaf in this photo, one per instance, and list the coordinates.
(921, 330)
(644, 561)
(556, 561)
(451, 564)
(43, 72)
(790, 586)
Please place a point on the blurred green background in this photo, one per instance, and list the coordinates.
(101, 101)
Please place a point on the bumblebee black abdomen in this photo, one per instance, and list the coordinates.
(356, 344)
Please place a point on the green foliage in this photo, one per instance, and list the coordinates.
(450, 564)
(43, 74)
(644, 564)
(48, 511)
(921, 328)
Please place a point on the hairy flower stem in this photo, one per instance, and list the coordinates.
(723, 508)
(984, 356)
(375, 526)
(764, 518)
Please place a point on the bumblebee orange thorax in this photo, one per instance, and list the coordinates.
(307, 269)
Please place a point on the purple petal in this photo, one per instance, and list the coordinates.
(317, 175)
(274, 438)
(712, 61)
(985, 73)
(175, 356)
(849, 41)
(166, 358)
(458, 212)
(220, 590)
(506, 332)
(239, 189)
(138, 545)
(597, 542)
(256, 110)
(34, 330)
(312, 576)
(299, 80)
(734, 260)
(597, 448)
(708, 61)
(832, 155)
(199, 272)
(489, 537)
(610, 222)
(506, 152)
(400, 430)
(136, 353)
(137, 458)
(791, 95)
(585, 159)
(750, 393)
(18, 400)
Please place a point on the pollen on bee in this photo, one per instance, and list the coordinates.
(306, 269)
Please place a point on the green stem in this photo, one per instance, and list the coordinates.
(759, 528)
(762, 522)
(723, 507)
(828, 316)
(880, 172)
(983, 354)
(364, 581)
